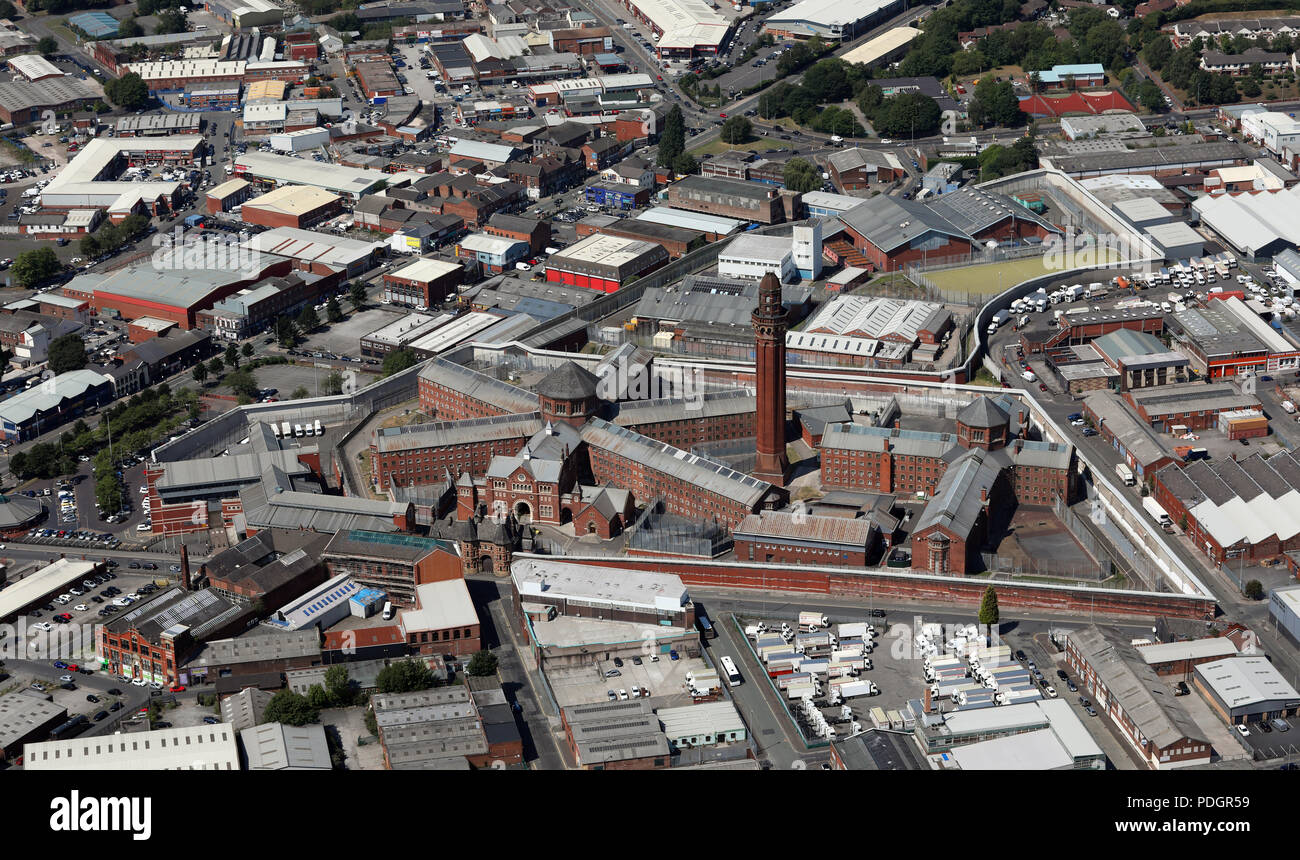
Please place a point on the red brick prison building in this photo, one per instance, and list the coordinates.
(690, 485)
(782, 537)
(451, 392)
(891, 232)
(1007, 470)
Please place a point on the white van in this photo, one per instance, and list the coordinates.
(388, 610)
(297, 431)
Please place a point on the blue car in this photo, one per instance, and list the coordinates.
(672, 655)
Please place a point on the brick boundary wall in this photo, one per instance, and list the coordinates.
(909, 586)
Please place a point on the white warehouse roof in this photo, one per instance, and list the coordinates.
(1253, 221)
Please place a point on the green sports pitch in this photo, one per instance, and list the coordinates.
(993, 278)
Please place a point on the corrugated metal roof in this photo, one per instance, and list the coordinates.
(800, 528)
(1156, 714)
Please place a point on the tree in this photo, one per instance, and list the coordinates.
(800, 175)
(685, 165)
(404, 677)
(308, 319)
(247, 350)
(1254, 589)
(317, 697)
(47, 46)
(333, 312)
(334, 384)
(357, 294)
(398, 360)
(170, 21)
(67, 353)
(290, 708)
(232, 356)
(672, 142)
(828, 80)
(241, 381)
(338, 686)
(128, 91)
(1150, 96)
(300, 393)
(35, 267)
(908, 114)
(216, 365)
(129, 28)
(989, 607)
(1250, 88)
(483, 663)
(108, 492)
(7, 10)
(200, 373)
(736, 130)
(89, 246)
(286, 332)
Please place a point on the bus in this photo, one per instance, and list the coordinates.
(729, 669)
(705, 626)
(71, 728)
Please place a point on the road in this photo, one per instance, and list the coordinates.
(543, 749)
(1226, 590)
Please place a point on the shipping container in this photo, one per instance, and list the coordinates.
(895, 720)
(800, 691)
(878, 718)
(815, 667)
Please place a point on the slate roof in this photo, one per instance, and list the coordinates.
(982, 412)
(568, 382)
(956, 504)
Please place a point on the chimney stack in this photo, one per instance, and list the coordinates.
(185, 566)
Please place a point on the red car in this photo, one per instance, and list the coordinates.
(177, 688)
(1042, 387)
(722, 115)
(660, 77)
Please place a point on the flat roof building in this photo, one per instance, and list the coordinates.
(616, 736)
(349, 182)
(275, 746)
(828, 19)
(203, 747)
(38, 587)
(24, 719)
(1245, 689)
(604, 263)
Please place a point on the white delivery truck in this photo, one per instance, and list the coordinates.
(1158, 513)
(1125, 474)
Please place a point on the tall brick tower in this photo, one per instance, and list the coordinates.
(769, 320)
